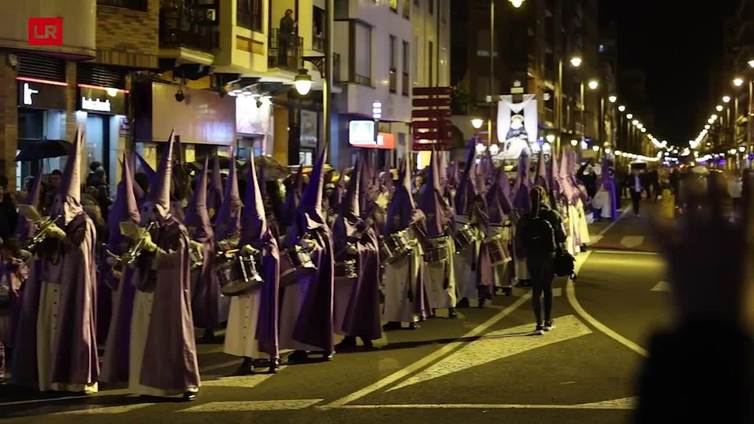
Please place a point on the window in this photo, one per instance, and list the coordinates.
(249, 14)
(318, 29)
(431, 63)
(393, 64)
(128, 4)
(406, 63)
(394, 5)
(431, 6)
(407, 9)
(361, 53)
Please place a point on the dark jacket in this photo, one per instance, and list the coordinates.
(522, 231)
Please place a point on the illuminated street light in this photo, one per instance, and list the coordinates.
(477, 123)
(751, 63)
(719, 108)
(596, 148)
(738, 81)
(516, 3)
(635, 122)
(574, 142)
(706, 127)
(621, 108)
(593, 84)
(303, 82)
(576, 61)
(742, 149)
(612, 99)
(630, 116)
(726, 99)
(550, 138)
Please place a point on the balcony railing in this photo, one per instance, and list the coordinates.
(186, 27)
(318, 42)
(285, 50)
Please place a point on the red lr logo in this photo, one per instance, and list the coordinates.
(46, 31)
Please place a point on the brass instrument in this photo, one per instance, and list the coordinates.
(195, 254)
(41, 234)
(128, 258)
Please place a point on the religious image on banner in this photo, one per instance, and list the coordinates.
(517, 126)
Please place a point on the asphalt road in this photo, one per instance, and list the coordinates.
(484, 367)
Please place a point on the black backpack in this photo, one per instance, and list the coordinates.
(539, 235)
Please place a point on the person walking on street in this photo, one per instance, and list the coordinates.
(636, 186)
(540, 234)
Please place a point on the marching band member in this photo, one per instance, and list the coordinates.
(403, 282)
(215, 190)
(253, 319)
(125, 208)
(439, 251)
(162, 351)
(208, 306)
(306, 316)
(357, 300)
(56, 344)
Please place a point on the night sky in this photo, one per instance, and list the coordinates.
(679, 44)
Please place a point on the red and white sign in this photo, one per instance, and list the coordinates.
(47, 31)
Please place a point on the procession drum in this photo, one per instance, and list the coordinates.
(293, 262)
(464, 236)
(497, 246)
(396, 246)
(436, 250)
(346, 269)
(238, 275)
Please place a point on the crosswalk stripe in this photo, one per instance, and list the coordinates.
(254, 405)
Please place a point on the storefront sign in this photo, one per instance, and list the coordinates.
(102, 100)
(361, 134)
(46, 31)
(41, 95)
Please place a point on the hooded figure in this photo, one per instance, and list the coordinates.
(495, 254)
(357, 300)
(208, 306)
(253, 320)
(439, 250)
(404, 287)
(306, 315)
(292, 199)
(541, 178)
(162, 351)
(56, 345)
(215, 189)
(521, 201)
(125, 208)
(228, 218)
(607, 193)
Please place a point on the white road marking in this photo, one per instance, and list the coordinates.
(625, 252)
(617, 404)
(429, 359)
(632, 241)
(118, 392)
(612, 224)
(243, 381)
(571, 294)
(498, 345)
(253, 405)
(106, 410)
(662, 286)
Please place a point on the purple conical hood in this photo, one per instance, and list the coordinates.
(125, 207)
(254, 222)
(351, 202)
(67, 202)
(159, 190)
(497, 200)
(466, 189)
(442, 170)
(311, 199)
(197, 216)
(401, 207)
(431, 202)
(339, 191)
(138, 191)
(228, 220)
(35, 194)
(292, 198)
(541, 178)
(521, 200)
(215, 189)
(605, 178)
(145, 167)
(554, 175)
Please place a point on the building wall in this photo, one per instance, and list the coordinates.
(128, 37)
(8, 120)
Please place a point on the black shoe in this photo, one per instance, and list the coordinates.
(392, 325)
(463, 303)
(246, 367)
(274, 365)
(297, 357)
(549, 325)
(189, 396)
(452, 314)
(482, 302)
(348, 343)
(539, 330)
(367, 344)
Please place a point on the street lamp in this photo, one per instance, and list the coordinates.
(751, 63)
(726, 99)
(738, 81)
(742, 149)
(576, 61)
(517, 3)
(303, 82)
(630, 116)
(621, 108)
(593, 84)
(574, 142)
(477, 123)
(596, 148)
(719, 108)
(612, 99)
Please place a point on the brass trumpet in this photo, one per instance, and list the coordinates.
(128, 258)
(42, 233)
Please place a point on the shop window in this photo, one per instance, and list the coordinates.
(318, 29)
(249, 14)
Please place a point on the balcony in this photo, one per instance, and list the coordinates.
(285, 51)
(187, 28)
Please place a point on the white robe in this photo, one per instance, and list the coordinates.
(294, 295)
(342, 298)
(400, 277)
(437, 274)
(240, 335)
